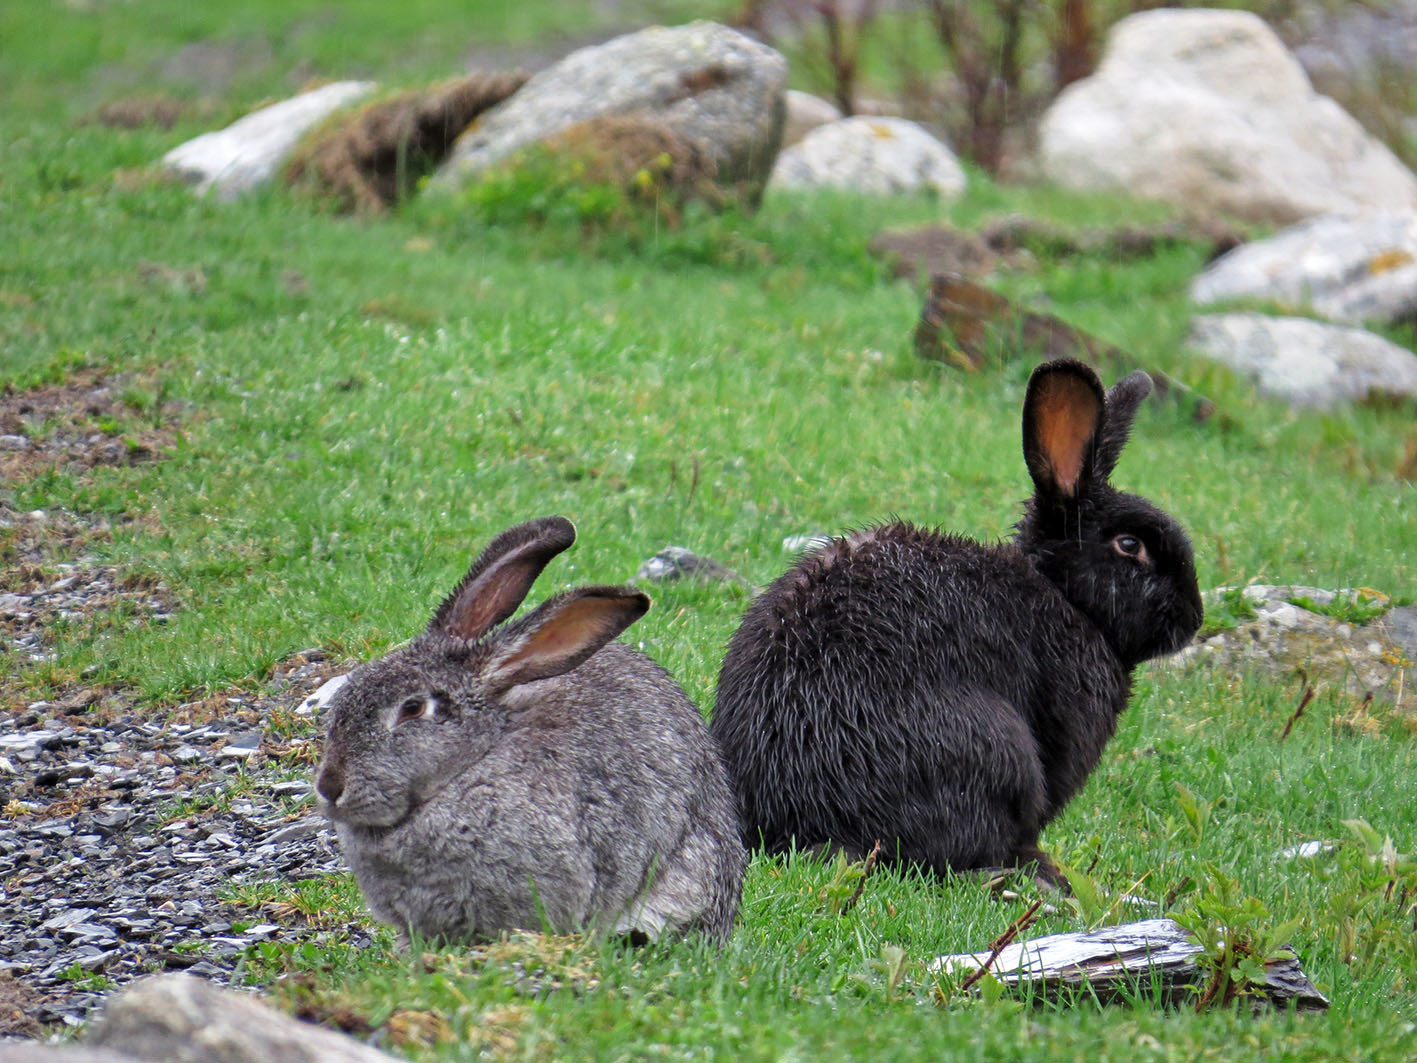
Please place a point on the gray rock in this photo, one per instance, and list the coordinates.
(1209, 110)
(1306, 363)
(33, 1052)
(318, 700)
(703, 81)
(1346, 269)
(241, 745)
(291, 788)
(1353, 43)
(677, 562)
(1286, 638)
(805, 113)
(307, 827)
(67, 919)
(878, 156)
(180, 1019)
(27, 742)
(247, 153)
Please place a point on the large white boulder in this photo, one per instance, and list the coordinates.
(247, 153)
(1346, 269)
(878, 156)
(1209, 110)
(705, 82)
(1304, 362)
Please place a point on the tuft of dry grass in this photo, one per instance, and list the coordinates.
(368, 160)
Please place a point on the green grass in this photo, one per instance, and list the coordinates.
(346, 444)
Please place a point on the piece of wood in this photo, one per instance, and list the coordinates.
(1114, 962)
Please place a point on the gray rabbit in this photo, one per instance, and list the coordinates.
(945, 697)
(531, 774)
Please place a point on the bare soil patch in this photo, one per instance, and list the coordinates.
(90, 420)
(134, 112)
(50, 576)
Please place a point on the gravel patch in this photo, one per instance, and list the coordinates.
(117, 837)
(39, 592)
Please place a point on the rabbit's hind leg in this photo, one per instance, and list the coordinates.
(979, 791)
(1045, 873)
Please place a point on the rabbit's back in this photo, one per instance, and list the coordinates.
(904, 684)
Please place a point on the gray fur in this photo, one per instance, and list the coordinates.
(572, 787)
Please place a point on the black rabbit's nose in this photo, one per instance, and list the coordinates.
(330, 783)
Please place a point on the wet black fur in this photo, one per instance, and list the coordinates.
(944, 697)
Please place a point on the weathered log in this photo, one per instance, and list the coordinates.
(1117, 962)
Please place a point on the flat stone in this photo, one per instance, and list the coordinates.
(291, 788)
(66, 919)
(1346, 269)
(1304, 362)
(247, 153)
(318, 700)
(1285, 639)
(874, 156)
(28, 741)
(301, 829)
(180, 1017)
(678, 562)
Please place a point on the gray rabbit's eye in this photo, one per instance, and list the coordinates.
(435, 706)
(415, 708)
(1131, 546)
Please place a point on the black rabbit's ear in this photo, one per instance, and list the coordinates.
(561, 633)
(500, 578)
(1062, 418)
(1122, 402)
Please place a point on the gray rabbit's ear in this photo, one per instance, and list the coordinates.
(1063, 415)
(500, 578)
(1123, 400)
(561, 633)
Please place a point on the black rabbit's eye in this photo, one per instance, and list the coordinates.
(1130, 546)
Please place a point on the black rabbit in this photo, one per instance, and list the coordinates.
(948, 698)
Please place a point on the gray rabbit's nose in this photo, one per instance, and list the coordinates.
(330, 783)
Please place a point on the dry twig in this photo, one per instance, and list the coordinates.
(1002, 942)
(1303, 704)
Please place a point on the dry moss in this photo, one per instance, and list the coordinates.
(369, 159)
